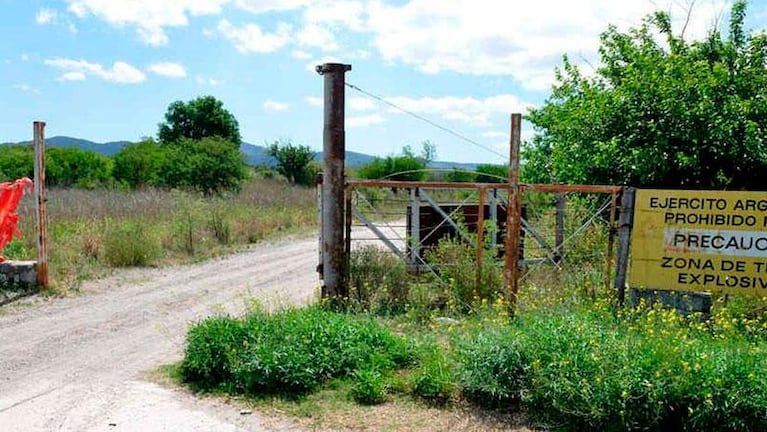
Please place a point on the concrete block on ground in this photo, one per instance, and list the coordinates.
(17, 279)
(685, 303)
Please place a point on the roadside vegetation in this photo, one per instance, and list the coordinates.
(187, 195)
(568, 358)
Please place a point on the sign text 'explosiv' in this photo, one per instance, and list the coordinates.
(700, 241)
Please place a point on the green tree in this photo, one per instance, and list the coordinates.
(139, 164)
(16, 161)
(293, 161)
(492, 173)
(68, 167)
(199, 118)
(662, 113)
(200, 143)
(406, 166)
(210, 165)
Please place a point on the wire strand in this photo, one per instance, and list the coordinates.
(428, 121)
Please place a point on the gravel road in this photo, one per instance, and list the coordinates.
(80, 364)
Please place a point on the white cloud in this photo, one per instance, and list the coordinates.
(316, 36)
(273, 106)
(77, 70)
(469, 110)
(301, 55)
(72, 76)
(345, 13)
(464, 37)
(150, 18)
(361, 104)
(27, 88)
(24, 57)
(312, 66)
(251, 39)
(261, 6)
(313, 101)
(212, 82)
(46, 16)
(362, 121)
(168, 69)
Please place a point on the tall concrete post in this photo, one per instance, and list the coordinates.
(333, 182)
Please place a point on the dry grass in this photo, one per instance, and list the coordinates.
(187, 226)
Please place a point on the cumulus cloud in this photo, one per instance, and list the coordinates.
(363, 121)
(313, 101)
(460, 36)
(361, 104)
(251, 39)
(467, 110)
(150, 18)
(212, 82)
(46, 16)
(168, 69)
(26, 88)
(78, 70)
(273, 106)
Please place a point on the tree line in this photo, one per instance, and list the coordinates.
(197, 147)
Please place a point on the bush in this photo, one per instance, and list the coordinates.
(492, 368)
(458, 267)
(130, 245)
(370, 386)
(579, 369)
(379, 281)
(291, 351)
(434, 378)
(211, 346)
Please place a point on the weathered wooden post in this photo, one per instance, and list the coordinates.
(514, 213)
(40, 200)
(625, 223)
(333, 182)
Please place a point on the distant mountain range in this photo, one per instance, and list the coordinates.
(256, 155)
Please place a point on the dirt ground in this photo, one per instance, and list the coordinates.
(89, 363)
(78, 364)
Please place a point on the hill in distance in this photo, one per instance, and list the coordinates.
(256, 155)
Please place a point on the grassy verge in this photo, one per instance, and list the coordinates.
(93, 231)
(567, 361)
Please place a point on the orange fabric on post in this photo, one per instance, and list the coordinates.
(10, 195)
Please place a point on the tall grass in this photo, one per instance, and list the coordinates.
(93, 230)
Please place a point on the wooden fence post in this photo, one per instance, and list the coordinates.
(625, 223)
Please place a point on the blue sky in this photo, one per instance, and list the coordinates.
(106, 70)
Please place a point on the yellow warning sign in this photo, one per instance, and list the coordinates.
(711, 241)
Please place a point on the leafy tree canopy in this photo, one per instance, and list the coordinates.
(197, 119)
(139, 164)
(660, 111)
(210, 165)
(408, 166)
(294, 161)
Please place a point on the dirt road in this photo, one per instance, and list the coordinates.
(79, 364)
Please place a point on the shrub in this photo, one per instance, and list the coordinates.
(379, 281)
(130, 245)
(458, 267)
(582, 369)
(291, 351)
(434, 377)
(492, 368)
(211, 346)
(370, 386)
